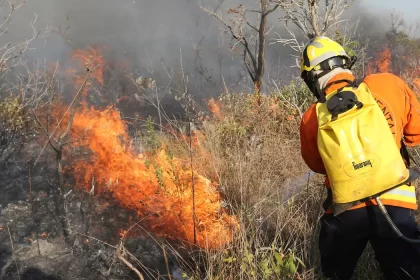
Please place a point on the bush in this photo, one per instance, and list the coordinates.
(14, 127)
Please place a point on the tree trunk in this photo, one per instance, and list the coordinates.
(261, 46)
(60, 199)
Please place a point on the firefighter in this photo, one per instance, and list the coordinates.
(325, 66)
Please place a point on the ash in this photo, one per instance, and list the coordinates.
(33, 244)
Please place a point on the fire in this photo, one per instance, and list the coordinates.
(90, 60)
(214, 107)
(381, 63)
(408, 67)
(172, 199)
(159, 187)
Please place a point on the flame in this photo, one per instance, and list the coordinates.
(382, 62)
(196, 138)
(214, 107)
(164, 191)
(90, 59)
(159, 187)
(385, 60)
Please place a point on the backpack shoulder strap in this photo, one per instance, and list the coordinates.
(404, 153)
(356, 83)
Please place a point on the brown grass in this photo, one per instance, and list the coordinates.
(253, 152)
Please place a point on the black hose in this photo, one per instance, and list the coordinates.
(391, 223)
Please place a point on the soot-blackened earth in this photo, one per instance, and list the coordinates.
(32, 243)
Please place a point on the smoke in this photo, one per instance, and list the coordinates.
(157, 37)
(149, 34)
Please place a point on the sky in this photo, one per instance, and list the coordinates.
(409, 8)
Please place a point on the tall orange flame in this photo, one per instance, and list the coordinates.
(161, 188)
(158, 187)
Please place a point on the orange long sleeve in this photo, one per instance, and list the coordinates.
(412, 113)
(308, 141)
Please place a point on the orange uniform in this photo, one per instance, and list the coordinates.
(402, 111)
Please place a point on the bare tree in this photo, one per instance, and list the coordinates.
(251, 37)
(18, 93)
(58, 143)
(27, 91)
(311, 18)
(11, 53)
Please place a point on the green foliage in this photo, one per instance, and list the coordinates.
(295, 94)
(14, 126)
(243, 262)
(159, 176)
(351, 47)
(11, 114)
(405, 53)
(231, 126)
(263, 263)
(149, 136)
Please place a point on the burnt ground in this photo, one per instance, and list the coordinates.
(32, 243)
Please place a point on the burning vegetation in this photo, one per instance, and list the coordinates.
(100, 191)
(164, 191)
(401, 58)
(171, 199)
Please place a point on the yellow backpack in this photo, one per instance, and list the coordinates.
(357, 147)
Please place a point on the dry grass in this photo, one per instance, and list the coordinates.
(253, 151)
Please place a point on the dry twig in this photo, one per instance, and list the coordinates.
(120, 254)
(13, 251)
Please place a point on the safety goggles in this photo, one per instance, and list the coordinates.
(329, 64)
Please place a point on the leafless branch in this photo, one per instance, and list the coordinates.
(73, 107)
(272, 9)
(253, 44)
(310, 18)
(55, 148)
(252, 26)
(11, 53)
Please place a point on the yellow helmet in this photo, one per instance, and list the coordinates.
(321, 49)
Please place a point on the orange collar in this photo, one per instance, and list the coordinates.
(337, 77)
